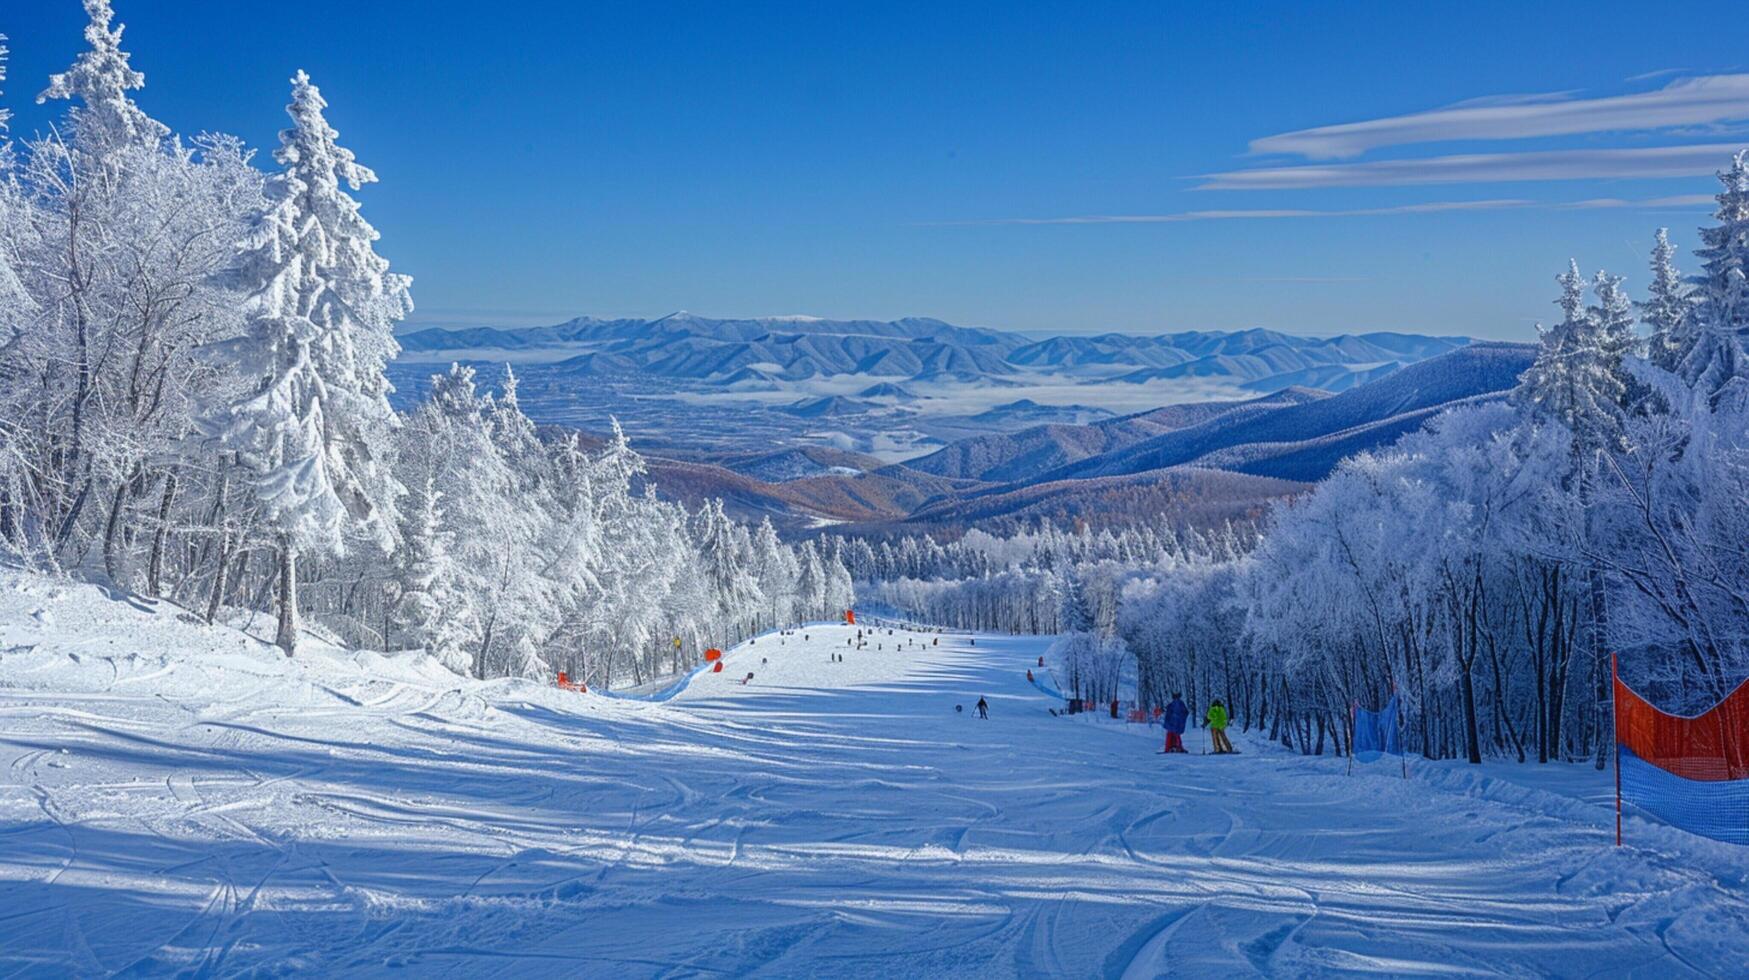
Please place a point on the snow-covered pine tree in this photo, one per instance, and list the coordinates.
(811, 584)
(1715, 342)
(1667, 306)
(321, 312)
(431, 610)
(840, 589)
(724, 554)
(777, 572)
(1074, 615)
(1577, 377)
(100, 79)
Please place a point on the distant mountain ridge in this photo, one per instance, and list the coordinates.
(1191, 462)
(1247, 440)
(776, 349)
(911, 423)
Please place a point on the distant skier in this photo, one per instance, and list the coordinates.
(1217, 719)
(983, 708)
(1177, 714)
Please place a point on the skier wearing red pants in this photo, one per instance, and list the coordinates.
(1176, 717)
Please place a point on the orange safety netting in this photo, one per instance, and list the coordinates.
(1711, 746)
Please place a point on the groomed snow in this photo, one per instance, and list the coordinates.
(179, 797)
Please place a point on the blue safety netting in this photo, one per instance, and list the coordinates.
(1039, 682)
(1376, 733)
(1711, 808)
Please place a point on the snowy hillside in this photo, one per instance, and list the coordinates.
(184, 798)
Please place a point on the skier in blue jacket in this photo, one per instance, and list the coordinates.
(1177, 715)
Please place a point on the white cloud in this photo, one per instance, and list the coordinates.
(1662, 161)
(1674, 201)
(1701, 101)
(1429, 207)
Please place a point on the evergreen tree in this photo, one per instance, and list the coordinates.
(1713, 351)
(1073, 613)
(432, 609)
(1667, 307)
(811, 584)
(777, 572)
(321, 308)
(1577, 377)
(101, 79)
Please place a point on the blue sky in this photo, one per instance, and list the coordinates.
(967, 160)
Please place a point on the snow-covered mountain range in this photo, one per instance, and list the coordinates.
(896, 390)
(916, 421)
(775, 349)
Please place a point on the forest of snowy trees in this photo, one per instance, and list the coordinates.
(1484, 569)
(193, 406)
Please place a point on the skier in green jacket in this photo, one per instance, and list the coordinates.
(1217, 720)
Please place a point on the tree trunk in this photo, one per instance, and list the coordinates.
(218, 596)
(111, 529)
(155, 565)
(1471, 742)
(287, 637)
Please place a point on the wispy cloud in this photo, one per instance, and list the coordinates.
(1674, 201)
(1430, 207)
(1647, 76)
(1700, 101)
(1661, 161)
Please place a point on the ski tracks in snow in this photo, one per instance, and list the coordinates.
(829, 817)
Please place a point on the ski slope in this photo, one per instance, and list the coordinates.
(181, 798)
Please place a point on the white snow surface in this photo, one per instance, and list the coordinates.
(181, 798)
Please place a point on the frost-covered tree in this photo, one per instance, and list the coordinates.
(811, 583)
(1671, 523)
(1577, 377)
(100, 79)
(431, 609)
(840, 589)
(1713, 344)
(725, 559)
(503, 519)
(777, 571)
(1579, 381)
(113, 239)
(321, 309)
(1667, 306)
